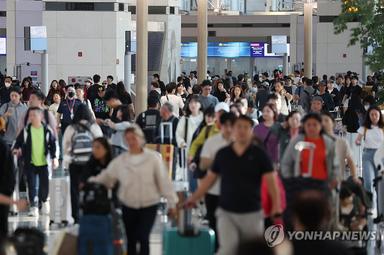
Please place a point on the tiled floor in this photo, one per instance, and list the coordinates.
(52, 232)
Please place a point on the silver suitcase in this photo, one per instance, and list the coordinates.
(60, 201)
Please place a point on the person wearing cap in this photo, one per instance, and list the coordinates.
(206, 99)
(12, 112)
(207, 132)
(67, 108)
(329, 104)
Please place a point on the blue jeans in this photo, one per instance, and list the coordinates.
(369, 169)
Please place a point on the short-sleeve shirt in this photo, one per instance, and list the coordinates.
(373, 137)
(210, 148)
(241, 178)
(67, 109)
(38, 147)
(319, 166)
(175, 101)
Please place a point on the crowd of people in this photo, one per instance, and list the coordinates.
(239, 136)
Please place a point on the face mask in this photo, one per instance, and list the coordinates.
(71, 94)
(366, 107)
(7, 84)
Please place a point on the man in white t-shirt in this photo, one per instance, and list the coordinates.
(208, 154)
(175, 101)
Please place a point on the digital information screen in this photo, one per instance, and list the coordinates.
(227, 49)
(3, 46)
(257, 49)
(38, 38)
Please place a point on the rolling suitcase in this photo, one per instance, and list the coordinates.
(16, 192)
(182, 184)
(378, 183)
(60, 201)
(99, 219)
(188, 239)
(95, 235)
(167, 151)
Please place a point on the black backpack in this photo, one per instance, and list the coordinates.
(28, 241)
(95, 199)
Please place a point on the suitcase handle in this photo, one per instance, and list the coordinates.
(300, 147)
(162, 133)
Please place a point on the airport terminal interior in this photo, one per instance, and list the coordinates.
(191, 127)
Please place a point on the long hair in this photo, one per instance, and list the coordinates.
(120, 89)
(125, 116)
(104, 142)
(82, 113)
(233, 92)
(368, 122)
(194, 98)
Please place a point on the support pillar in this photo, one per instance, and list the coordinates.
(142, 55)
(202, 40)
(44, 72)
(128, 71)
(308, 33)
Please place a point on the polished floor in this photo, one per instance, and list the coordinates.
(52, 232)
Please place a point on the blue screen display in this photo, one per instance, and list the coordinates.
(225, 49)
(215, 49)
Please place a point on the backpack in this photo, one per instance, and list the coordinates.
(82, 141)
(198, 173)
(95, 199)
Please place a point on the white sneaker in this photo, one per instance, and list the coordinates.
(33, 212)
(45, 209)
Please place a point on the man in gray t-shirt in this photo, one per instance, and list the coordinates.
(206, 99)
(12, 112)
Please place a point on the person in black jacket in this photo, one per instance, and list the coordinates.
(35, 143)
(7, 184)
(100, 159)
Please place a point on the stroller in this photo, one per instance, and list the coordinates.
(353, 213)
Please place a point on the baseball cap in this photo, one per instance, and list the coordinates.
(222, 107)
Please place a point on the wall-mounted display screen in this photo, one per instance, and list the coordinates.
(257, 49)
(228, 49)
(3, 46)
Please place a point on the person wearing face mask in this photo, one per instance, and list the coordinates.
(5, 91)
(67, 108)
